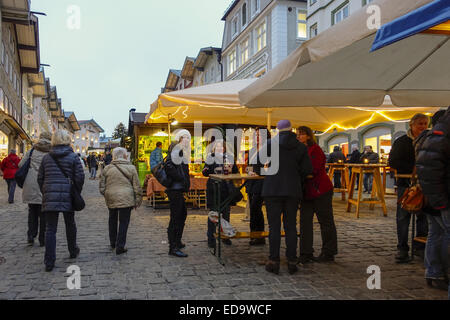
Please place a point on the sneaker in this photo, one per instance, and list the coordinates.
(75, 254)
(49, 268)
(257, 242)
(120, 251)
(273, 267)
(178, 253)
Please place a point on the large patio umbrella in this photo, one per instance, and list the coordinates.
(219, 104)
(337, 67)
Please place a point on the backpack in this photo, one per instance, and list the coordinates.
(21, 174)
(161, 175)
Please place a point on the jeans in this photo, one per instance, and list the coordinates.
(178, 215)
(368, 182)
(50, 235)
(93, 173)
(323, 208)
(438, 246)
(288, 207)
(337, 179)
(403, 221)
(212, 226)
(36, 223)
(119, 218)
(256, 214)
(11, 189)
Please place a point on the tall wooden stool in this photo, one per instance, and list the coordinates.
(343, 169)
(377, 188)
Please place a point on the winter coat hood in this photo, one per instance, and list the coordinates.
(43, 145)
(61, 151)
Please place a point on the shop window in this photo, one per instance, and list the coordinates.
(244, 14)
(341, 13)
(3, 145)
(313, 31)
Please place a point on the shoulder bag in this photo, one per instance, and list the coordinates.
(78, 203)
(413, 199)
(21, 174)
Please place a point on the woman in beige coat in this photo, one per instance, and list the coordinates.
(119, 184)
(31, 194)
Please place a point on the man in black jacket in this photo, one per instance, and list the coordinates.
(177, 169)
(433, 168)
(282, 192)
(369, 157)
(403, 159)
(335, 157)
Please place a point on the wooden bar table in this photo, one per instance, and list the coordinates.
(343, 168)
(219, 204)
(377, 187)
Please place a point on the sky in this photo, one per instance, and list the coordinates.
(117, 54)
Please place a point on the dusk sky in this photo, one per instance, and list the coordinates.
(121, 55)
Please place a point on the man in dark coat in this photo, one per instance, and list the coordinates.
(354, 158)
(56, 193)
(177, 169)
(108, 158)
(403, 159)
(433, 169)
(369, 157)
(282, 193)
(337, 157)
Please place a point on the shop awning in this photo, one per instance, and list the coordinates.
(336, 68)
(15, 125)
(219, 104)
(432, 18)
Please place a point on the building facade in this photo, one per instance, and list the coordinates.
(259, 34)
(88, 137)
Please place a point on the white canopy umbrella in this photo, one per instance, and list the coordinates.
(336, 68)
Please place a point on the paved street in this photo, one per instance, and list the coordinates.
(147, 272)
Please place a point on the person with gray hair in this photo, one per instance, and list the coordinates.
(31, 194)
(9, 166)
(56, 189)
(119, 184)
(403, 159)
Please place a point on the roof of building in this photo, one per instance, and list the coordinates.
(203, 55)
(82, 122)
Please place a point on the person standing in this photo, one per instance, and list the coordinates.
(282, 193)
(433, 169)
(337, 157)
(318, 199)
(119, 184)
(156, 157)
(93, 164)
(215, 164)
(354, 158)
(56, 194)
(31, 194)
(108, 158)
(369, 157)
(403, 159)
(177, 169)
(9, 166)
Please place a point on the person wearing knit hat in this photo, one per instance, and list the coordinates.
(178, 172)
(31, 194)
(282, 192)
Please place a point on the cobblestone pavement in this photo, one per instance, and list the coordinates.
(148, 272)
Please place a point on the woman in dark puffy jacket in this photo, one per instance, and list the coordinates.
(433, 169)
(216, 162)
(56, 194)
(177, 170)
(318, 199)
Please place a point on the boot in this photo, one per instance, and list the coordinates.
(402, 256)
(273, 267)
(292, 267)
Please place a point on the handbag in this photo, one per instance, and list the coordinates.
(21, 174)
(161, 175)
(78, 203)
(413, 199)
